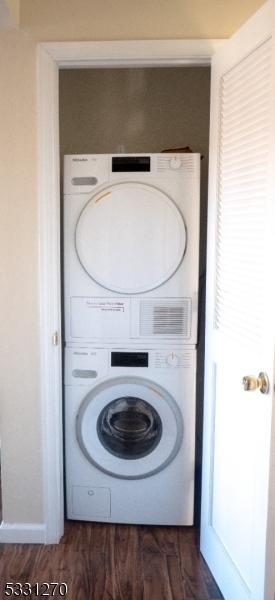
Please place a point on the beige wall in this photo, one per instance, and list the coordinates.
(128, 19)
(20, 410)
(14, 8)
(55, 20)
(9, 13)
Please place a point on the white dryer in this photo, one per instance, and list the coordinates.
(131, 247)
(130, 435)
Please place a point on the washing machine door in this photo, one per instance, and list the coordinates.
(129, 427)
(130, 238)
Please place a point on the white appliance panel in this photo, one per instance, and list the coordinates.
(103, 482)
(145, 251)
(98, 319)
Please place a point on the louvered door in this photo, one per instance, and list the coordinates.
(242, 190)
(237, 491)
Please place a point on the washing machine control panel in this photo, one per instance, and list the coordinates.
(155, 359)
(85, 365)
(171, 359)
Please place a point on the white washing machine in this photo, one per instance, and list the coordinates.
(131, 247)
(130, 435)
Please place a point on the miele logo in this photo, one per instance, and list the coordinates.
(80, 159)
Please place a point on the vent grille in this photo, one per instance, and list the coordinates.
(166, 318)
(242, 188)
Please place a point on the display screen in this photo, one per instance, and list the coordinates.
(125, 164)
(129, 359)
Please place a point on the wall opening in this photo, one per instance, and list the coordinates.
(135, 110)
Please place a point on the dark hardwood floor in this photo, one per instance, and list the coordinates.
(115, 562)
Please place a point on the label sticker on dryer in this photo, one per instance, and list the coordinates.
(100, 318)
(106, 306)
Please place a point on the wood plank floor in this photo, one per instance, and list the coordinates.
(115, 562)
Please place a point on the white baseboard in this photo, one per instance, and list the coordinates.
(22, 533)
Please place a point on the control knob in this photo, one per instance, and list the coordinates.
(175, 163)
(172, 360)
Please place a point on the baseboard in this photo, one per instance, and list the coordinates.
(22, 533)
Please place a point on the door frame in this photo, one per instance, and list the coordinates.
(50, 58)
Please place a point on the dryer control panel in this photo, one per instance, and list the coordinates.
(83, 172)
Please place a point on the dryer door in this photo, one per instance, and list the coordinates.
(130, 238)
(129, 427)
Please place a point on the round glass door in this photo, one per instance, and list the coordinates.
(129, 427)
(130, 238)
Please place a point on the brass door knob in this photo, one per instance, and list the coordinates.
(251, 383)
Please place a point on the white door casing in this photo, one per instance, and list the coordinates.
(238, 498)
(51, 57)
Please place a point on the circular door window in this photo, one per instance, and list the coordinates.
(130, 238)
(129, 427)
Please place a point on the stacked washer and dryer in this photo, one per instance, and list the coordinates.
(131, 247)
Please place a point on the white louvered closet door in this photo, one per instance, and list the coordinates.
(237, 527)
